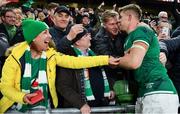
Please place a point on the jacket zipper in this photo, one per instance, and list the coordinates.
(17, 61)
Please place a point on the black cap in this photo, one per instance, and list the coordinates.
(62, 9)
(85, 15)
(80, 35)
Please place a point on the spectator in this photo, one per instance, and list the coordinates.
(163, 16)
(51, 7)
(19, 16)
(85, 20)
(142, 56)
(29, 13)
(73, 84)
(3, 46)
(8, 26)
(109, 41)
(18, 37)
(41, 16)
(86, 23)
(31, 67)
(93, 18)
(79, 15)
(171, 48)
(62, 32)
(163, 30)
(12, 32)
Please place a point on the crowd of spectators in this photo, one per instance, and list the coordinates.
(88, 32)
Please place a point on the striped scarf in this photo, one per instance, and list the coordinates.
(88, 89)
(27, 81)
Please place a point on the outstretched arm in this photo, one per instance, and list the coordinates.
(134, 56)
(84, 62)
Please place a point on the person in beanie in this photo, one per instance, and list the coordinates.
(31, 67)
(87, 87)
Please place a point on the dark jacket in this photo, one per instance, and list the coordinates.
(18, 37)
(176, 32)
(176, 14)
(48, 21)
(103, 44)
(3, 44)
(3, 30)
(172, 48)
(68, 84)
(60, 39)
(93, 20)
(90, 30)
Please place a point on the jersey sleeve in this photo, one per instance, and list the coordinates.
(144, 35)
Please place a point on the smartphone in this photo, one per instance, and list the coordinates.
(38, 97)
(155, 19)
(165, 31)
(13, 0)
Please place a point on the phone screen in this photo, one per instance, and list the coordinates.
(165, 31)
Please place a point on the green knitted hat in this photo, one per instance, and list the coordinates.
(32, 28)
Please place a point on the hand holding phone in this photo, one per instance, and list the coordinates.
(38, 97)
(165, 31)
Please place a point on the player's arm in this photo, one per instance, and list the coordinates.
(134, 56)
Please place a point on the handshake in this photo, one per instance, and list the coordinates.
(114, 61)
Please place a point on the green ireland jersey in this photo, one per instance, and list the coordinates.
(151, 75)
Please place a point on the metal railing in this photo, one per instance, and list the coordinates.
(106, 109)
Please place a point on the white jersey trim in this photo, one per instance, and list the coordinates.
(159, 92)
